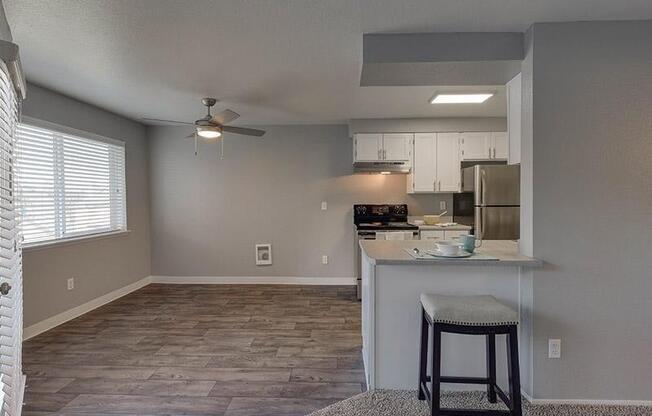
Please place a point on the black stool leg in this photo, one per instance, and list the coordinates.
(423, 354)
(436, 370)
(491, 367)
(514, 372)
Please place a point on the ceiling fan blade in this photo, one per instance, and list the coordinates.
(224, 117)
(158, 120)
(243, 130)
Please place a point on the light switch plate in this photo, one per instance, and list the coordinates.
(324, 259)
(324, 205)
(554, 348)
(442, 205)
(71, 283)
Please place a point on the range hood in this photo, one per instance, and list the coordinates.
(382, 167)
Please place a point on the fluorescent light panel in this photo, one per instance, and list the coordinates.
(461, 98)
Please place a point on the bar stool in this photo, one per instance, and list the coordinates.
(472, 315)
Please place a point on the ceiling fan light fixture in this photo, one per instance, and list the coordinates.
(209, 132)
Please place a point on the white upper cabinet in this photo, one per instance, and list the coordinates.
(484, 146)
(500, 145)
(436, 164)
(514, 88)
(396, 146)
(424, 168)
(372, 147)
(475, 145)
(448, 162)
(368, 147)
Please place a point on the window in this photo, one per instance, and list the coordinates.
(68, 185)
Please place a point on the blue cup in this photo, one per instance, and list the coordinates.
(468, 242)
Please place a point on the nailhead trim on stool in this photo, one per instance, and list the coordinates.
(475, 310)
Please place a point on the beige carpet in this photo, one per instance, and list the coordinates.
(405, 403)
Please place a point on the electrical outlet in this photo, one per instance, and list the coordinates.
(324, 205)
(554, 348)
(442, 205)
(71, 283)
(324, 259)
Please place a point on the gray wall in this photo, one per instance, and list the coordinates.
(592, 89)
(208, 213)
(5, 31)
(525, 243)
(98, 266)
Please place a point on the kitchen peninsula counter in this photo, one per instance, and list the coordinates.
(392, 282)
(500, 253)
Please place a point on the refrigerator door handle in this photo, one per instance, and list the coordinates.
(483, 186)
(482, 221)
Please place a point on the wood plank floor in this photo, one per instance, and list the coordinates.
(201, 350)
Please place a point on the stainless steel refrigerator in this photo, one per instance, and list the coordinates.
(496, 200)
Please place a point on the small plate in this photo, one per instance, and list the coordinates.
(460, 255)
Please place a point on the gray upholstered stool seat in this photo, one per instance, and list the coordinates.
(482, 310)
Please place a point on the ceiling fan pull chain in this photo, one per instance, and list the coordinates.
(222, 148)
(195, 144)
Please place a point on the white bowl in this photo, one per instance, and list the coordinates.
(448, 247)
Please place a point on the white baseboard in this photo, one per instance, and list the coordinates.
(253, 280)
(578, 402)
(56, 320)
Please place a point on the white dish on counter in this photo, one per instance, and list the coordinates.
(459, 255)
(448, 247)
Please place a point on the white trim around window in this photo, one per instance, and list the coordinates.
(71, 184)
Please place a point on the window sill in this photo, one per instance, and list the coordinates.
(73, 240)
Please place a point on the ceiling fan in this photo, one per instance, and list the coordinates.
(210, 127)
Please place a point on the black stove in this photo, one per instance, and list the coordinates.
(381, 217)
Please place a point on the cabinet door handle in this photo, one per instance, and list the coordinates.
(379, 156)
(494, 152)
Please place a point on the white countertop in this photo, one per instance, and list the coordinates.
(382, 252)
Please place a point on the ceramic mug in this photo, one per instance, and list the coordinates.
(469, 242)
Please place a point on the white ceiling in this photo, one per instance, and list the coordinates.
(274, 61)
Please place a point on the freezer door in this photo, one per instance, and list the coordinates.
(497, 185)
(497, 223)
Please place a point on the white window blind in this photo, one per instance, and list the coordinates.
(68, 185)
(11, 297)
